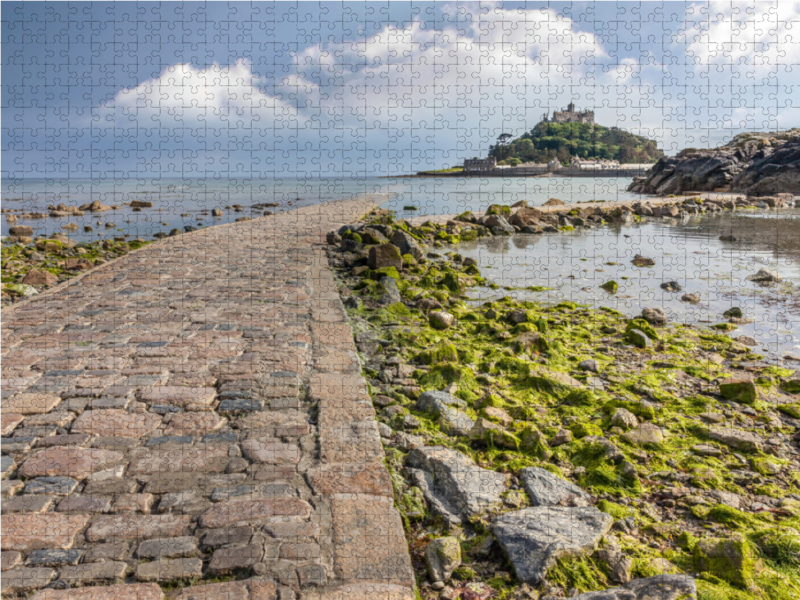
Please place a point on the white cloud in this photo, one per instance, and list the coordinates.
(186, 96)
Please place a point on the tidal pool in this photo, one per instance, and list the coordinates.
(688, 251)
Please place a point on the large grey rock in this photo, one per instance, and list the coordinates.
(534, 538)
(545, 489)
(391, 293)
(443, 556)
(407, 244)
(453, 485)
(498, 224)
(445, 406)
(660, 587)
(434, 402)
(738, 439)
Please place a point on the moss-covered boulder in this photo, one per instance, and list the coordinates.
(581, 430)
(384, 255)
(739, 390)
(532, 342)
(782, 545)
(642, 326)
(791, 386)
(442, 353)
(491, 434)
(610, 286)
(534, 443)
(730, 559)
(498, 209)
(443, 556)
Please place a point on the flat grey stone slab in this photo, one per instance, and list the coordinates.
(534, 538)
(546, 489)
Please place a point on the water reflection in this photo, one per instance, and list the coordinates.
(688, 252)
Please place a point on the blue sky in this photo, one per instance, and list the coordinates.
(263, 89)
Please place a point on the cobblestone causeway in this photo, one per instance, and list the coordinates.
(194, 412)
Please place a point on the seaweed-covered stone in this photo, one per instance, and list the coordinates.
(638, 338)
(791, 386)
(434, 402)
(490, 433)
(739, 390)
(453, 485)
(730, 559)
(391, 293)
(545, 489)
(407, 244)
(443, 556)
(646, 433)
(738, 439)
(384, 255)
(656, 315)
(534, 538)
(660, 587)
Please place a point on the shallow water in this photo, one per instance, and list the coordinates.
(688, 251)
(180, 202)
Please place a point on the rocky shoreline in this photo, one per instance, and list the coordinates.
(33, 263)
(757, 164)
(555, 451)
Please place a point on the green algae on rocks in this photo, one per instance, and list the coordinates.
(562, 387)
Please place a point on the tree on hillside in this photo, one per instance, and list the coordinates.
(564, 140)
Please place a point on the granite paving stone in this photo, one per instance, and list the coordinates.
(208, 419)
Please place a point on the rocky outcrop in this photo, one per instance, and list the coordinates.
(756, 167)
(453, 485)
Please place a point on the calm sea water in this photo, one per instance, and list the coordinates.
(180, 202)
(575, 264)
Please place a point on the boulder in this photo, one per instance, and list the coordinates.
(692, 298)
(391, 293)
(641, 261)
(738, 439)
(490, 433)
(534, 538)
(435, 402)
(141, 204)
(77, 264)
(384, 255)
(453, 485)
(445, 407)
(638, 338)
(765, 276)
(23, 230)
(731, 559)
(443, 556)
(39, 277)
(217, 212)
(656, 316)
(743, 391)
(658, 587)
(618, 565)
(407, 244)
(671, 286)
(554, 202)
(546, 489)
(498, 225)
(440, 319)
(525, 217)
(624, 418)
(645, 433)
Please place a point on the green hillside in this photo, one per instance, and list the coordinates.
(565, 140)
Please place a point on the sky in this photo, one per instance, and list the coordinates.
(313, 89)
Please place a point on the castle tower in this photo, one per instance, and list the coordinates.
(571, 107)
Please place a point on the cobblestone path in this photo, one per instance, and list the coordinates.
(194, 412)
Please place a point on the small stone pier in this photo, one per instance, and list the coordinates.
(190, 421)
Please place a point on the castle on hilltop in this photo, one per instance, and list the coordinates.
(570, 116)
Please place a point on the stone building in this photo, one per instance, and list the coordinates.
(480, 164)
(572, 116)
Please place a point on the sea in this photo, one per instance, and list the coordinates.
(570, 265)
(179, 202)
